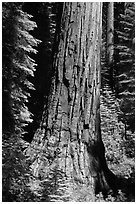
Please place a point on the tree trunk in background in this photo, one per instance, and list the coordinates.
(110, 32)
(70, 133)
(110, 41)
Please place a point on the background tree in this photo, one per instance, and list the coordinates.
(110, 110)
(17, 66)
(126, 75)
(119, 151)
(110, 42)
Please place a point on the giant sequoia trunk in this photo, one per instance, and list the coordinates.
(70, 133)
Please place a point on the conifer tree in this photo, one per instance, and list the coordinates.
(18, 44)
(126, 64)
(18, 66)
(44, 14)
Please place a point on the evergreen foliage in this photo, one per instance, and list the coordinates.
(44, 14)
(126, 65)
(17, 67)
(112, 129)
(117, 105)
(15, 169)
(18, 44)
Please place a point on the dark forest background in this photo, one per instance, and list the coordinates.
(29, 43)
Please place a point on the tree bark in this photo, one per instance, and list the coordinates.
(110, 32)
(70, 133)
(110, 42)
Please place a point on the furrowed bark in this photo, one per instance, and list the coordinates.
(70, 133)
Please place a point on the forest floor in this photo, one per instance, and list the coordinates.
(125, 172)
